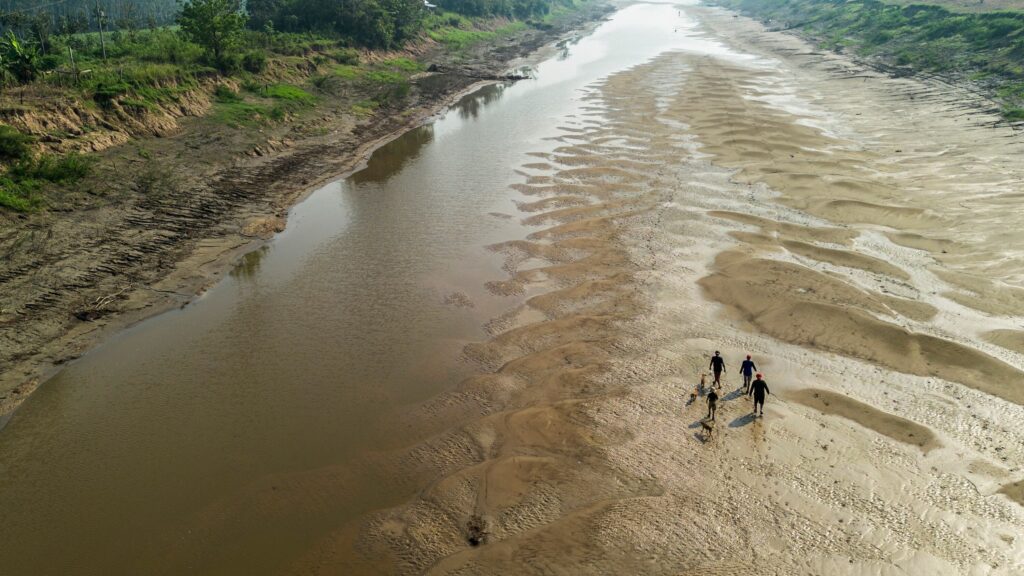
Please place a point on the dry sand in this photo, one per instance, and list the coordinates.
(849, 230)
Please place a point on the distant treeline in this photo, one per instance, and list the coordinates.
(371, 23)
(73, 16)
(377, 23)
(988, 47)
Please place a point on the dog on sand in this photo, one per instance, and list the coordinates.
(707, 427)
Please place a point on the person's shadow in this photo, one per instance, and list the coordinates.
(743, 420)
(734, 394)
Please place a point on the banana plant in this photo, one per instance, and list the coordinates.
(19, 59)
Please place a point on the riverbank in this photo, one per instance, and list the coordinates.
(667, 229)
(970, 44)
(164, 217)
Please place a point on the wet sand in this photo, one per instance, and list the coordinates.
(743, 194)
(840, 232)
(867, 416)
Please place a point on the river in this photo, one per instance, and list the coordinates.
(474, 355)
(363, 303)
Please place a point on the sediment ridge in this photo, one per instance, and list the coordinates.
(575, 450)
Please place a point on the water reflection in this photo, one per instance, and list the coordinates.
(390, 158)
(249, 265)
(470, 106)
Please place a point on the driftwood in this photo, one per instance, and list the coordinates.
(97, 307)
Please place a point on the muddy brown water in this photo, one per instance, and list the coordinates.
(362, 305)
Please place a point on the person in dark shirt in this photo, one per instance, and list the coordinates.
(759, 389)
(712, 403)
(747, 369)
(717, 366)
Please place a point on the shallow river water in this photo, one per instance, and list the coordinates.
(488, 335)
(363, 303)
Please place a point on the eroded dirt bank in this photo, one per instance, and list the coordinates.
(167, 215)
(838, 232)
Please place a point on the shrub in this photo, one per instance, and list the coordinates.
(50, 62)
(227, 63)
(254, 61)
(224, 94)
(169, 47)
(13, 144)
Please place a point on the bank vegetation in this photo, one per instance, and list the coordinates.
(76, 72)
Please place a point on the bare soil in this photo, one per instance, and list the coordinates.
(163, 216)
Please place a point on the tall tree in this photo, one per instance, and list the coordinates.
(216, 25)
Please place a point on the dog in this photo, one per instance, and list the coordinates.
(693, 396)
(708, 427)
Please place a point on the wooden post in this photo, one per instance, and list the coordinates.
(99, 18)
(74, 67)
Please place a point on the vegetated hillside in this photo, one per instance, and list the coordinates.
(986, 48)
(967, 5)
(69, 90)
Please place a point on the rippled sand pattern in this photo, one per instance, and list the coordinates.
(866, 273)
(574, 451)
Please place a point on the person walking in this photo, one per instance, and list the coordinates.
(712, 403)
(747, 369)
(717, 366)
(759, 389)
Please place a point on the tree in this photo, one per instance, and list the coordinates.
(216, 25)
(129, 18)
(19, 58)
(42, 26)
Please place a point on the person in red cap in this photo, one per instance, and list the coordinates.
(759, 389)
(747, 368)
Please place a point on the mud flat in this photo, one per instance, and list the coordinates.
(744, 194)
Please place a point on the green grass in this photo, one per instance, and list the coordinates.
(458, 32)
(18, 196)
(403, 64)
(348, 72)
(383, 77)
(289, 93)
(458, 39)
(61, 169)
(1013, 113)
(511, 28)
(240, 114)
(20, 185)
(232, 109)
(365, 108)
